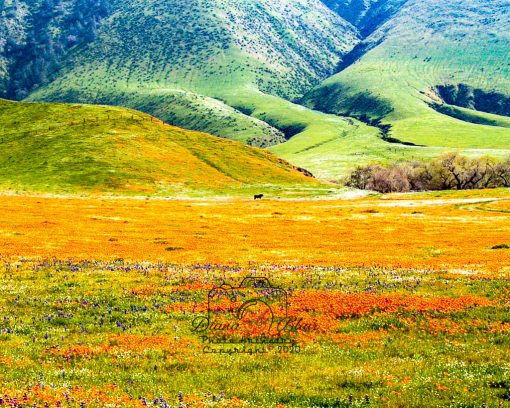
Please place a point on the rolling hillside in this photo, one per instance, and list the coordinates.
(436, 72)
(69, 148)
(328, 145)
(158, 55)
(280, 47)
(424, 76)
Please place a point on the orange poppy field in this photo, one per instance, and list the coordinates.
(393, 301)
(456, 233)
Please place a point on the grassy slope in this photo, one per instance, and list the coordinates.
(208, 48)
(126, 66)
(73, 148)
(154, 81)
(427, 43)
(171, 83)
(190, 110)
(328, 145)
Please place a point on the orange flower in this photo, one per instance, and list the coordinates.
(304, 232)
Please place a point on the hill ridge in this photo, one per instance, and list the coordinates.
(384, 80)
(84, 148)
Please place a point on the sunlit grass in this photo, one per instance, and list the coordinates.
(119, 334)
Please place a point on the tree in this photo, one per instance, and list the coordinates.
(502, 173)
(389, 180)
(449, 172)
(360, 177)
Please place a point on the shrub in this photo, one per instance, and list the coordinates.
(448, 172)
(389, 180)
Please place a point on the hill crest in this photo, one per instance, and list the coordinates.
(69, 148)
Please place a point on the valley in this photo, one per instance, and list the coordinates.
(394, 75)
(237, 69)
(248, 203)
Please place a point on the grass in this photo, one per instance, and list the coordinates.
(206, 48)
(184, 109)
(75, 149)
(188, 85)
(281, 48)
(327, 145)
(393, 81)
(183, 90)
(417, 317)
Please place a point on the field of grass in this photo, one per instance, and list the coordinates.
(327, 145)
(184, 109)
(187, 89)
(230, 68)
(404, 301)
(137, 270)
(74, 149)
(418, 50)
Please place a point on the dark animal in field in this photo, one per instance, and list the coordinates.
(258, 196)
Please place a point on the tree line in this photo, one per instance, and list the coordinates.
(451, 171)
(36, 35)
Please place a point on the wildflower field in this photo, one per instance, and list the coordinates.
(402, 301)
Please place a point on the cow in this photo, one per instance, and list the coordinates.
(258, 196)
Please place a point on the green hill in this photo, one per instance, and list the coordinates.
(328, 145)
(230, 78)
(436, 74)
(279, 47)
(145, 56)
(69, 148)
(424, 76)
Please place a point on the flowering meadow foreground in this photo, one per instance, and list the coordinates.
(399, 301)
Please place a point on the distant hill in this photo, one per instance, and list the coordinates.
(69, 148)
(145, 55)
(279, 47)
(434, 74)
(295, 76)
(36, 36)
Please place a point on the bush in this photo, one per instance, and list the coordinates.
(389, 180)
(448, 172)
